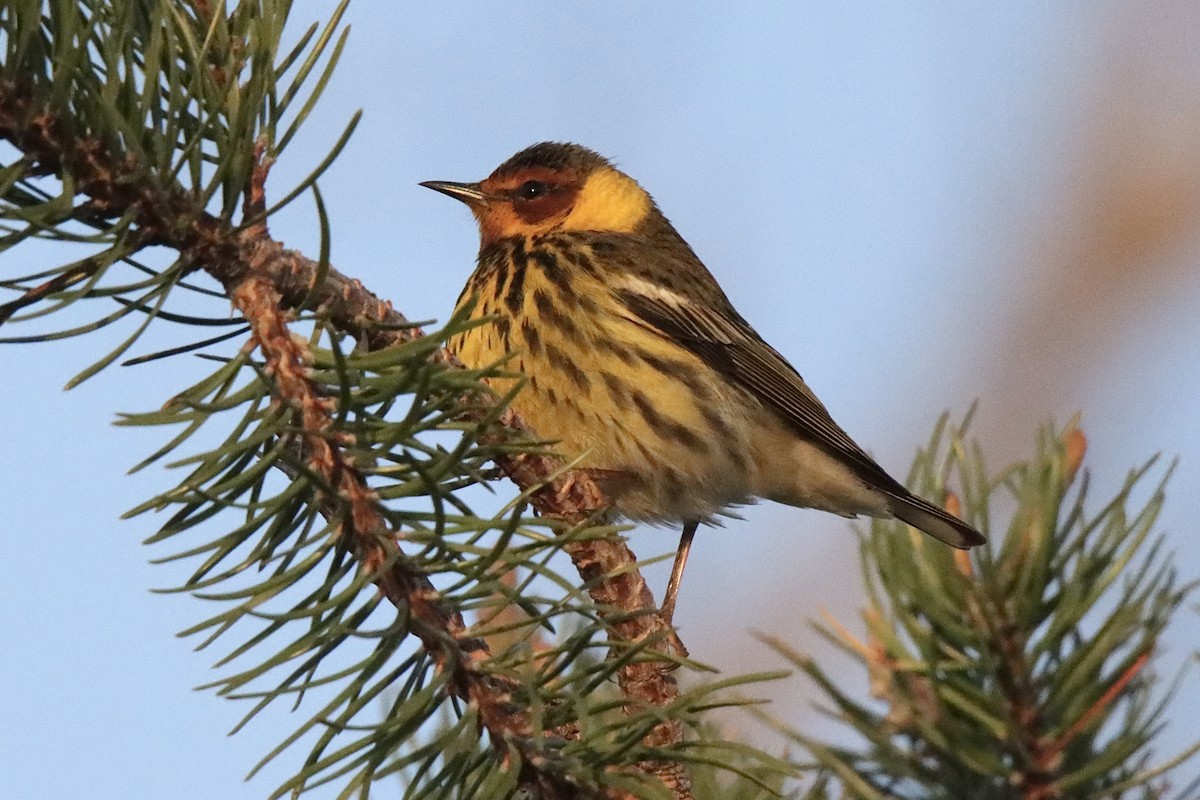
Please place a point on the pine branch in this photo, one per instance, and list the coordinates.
(372, 541)
(1019, 673)
(259, 275)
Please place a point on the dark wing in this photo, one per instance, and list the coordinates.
(728, 344)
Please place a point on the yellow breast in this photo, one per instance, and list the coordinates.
(621, 399)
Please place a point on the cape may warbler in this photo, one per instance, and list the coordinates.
(635, 360)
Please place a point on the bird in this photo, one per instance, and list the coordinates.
(633, 361)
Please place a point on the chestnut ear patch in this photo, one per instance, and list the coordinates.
(535, 194)
(553, 201)
(532, 199)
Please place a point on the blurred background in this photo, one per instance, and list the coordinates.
(919, 208)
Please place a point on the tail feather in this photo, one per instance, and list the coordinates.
(938, 523)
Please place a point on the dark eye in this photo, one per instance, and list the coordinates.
(532, 190)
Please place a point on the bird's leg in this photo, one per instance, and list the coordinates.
(681, 557)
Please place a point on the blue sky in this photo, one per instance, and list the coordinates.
(919, 208)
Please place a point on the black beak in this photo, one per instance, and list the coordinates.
(469, 193)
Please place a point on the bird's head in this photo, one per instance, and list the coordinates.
(552, 187)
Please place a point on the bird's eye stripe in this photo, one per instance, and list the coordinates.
(531, 190)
